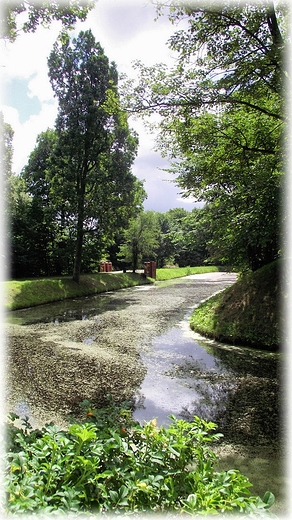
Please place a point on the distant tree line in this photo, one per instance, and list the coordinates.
(176, 237)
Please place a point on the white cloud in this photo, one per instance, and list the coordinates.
(25, 134)
(28, 54)
(11, 116)
(40, 87)
(127, 31)
(189, 200)
(146, 139)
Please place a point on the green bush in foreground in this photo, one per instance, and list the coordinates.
(111, 464)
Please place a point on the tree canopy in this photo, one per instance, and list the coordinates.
(223, 120)
(40, 13)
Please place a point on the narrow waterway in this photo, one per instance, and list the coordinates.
(136, 344)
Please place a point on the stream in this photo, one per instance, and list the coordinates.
(136, 344)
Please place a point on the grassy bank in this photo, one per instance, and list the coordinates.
(177, 272)
(246, 313)
(20, 294)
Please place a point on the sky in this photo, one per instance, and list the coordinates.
(127, 31)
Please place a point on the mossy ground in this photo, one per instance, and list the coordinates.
(246, 313)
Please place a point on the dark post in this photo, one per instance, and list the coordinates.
(150, 269)
(153, 269)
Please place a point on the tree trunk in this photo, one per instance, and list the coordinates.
(135, 260)
(78, 254)
(79, 243)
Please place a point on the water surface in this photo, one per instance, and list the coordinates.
(136, 344)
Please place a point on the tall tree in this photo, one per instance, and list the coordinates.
(95, 147)
(223, 120)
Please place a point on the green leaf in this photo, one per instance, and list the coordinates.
(269, 499)
(192, 500)
(123, 492)
(114, 496)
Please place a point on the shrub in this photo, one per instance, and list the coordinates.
(109, 463)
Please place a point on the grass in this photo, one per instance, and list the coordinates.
(177, 272)
(247, 313)
(20, 294)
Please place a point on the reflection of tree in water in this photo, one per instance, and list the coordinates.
(244, 400)
(212, 402)
(213, 389)
(244, 360)
(247, 411)
(254, 411)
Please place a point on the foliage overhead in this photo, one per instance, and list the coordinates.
(40, 13)
(230, 54)
(223, 120)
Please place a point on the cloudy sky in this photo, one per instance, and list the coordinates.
(127, 31)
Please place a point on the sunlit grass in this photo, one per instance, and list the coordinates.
(28, 293)
(177, 272)
(246, 313)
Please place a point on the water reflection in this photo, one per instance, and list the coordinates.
(235, 387)
(181, 372)
(68, 310)
(245, 360)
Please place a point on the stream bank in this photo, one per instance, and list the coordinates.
(54, 365)
(21, 294)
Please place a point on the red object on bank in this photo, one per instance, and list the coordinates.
(150, 269)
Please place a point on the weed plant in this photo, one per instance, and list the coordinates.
(111, 464)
